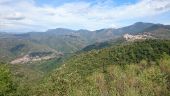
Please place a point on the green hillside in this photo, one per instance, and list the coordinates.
(12, 48)
(100, 45)
(7, 85)
(63, 43)
(70, 41)
(113, 66)
(137, 69)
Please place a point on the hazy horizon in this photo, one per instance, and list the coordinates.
(12, 32)
(41, 15)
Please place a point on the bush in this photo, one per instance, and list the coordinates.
(7, 86)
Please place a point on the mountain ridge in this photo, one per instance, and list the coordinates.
(70, 41)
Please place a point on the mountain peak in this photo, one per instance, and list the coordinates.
(59, 29)
(139, 23)
(142, 23)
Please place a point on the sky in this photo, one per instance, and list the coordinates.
(41, 15)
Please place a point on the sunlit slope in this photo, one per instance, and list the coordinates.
(137, 69)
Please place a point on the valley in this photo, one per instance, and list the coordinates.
(128, 61)
(84, 47)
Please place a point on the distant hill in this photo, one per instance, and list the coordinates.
(69, 41)
(133, 29)
(12, 48)
(101, 45)
(137, 31)
(132, 61)
(159, 31)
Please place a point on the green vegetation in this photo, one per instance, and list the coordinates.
(131, 80)
(140, 68)
(115, 67)
(17, 48)
(71, 41)
(137, 69)
(12, 48)
(102, 45)
(62, 43)
(27, 76)
(7, 86)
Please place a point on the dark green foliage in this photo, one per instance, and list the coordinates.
(102, 45)
(46, 66)
(96, 46)
(28, 76)
(7, 86)
(40, 54)
(134, 70)
(17, 48)
(70, 41)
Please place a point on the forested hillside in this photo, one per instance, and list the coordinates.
(137, 69)
(128, 61)
(84, 47)
(67, 41)
(7, 85)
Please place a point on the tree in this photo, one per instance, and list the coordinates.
(6, 83)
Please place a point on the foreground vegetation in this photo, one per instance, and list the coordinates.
(140, 79)
(7, 86)
(138, 69)
(141, 68)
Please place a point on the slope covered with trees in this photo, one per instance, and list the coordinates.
(140, 68)
(7, 85)
(63, 40)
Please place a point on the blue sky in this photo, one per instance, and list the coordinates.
(41, 15)
(61, 2)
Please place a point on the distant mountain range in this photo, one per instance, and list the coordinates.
(68, 41)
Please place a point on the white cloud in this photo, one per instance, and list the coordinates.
(25, 14)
